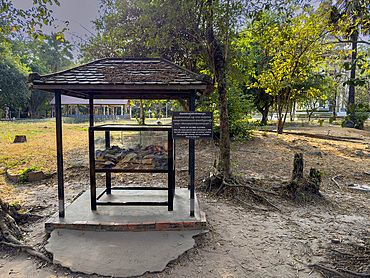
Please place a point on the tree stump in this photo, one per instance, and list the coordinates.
(301, 188)
(20, 139)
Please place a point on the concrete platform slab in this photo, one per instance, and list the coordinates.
(79, 216)
(118, 254)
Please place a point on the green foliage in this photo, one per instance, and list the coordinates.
(360, 116)
(175, 30)
(24, 173)
(78, 128)
(27, 20)
(242, 128)
(251, 60)
(349, 20)
(14, 92)
(19, 58)
(295, 47)
(239, 106)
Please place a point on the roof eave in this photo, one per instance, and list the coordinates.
(91, 88)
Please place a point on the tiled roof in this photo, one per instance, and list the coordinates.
(124, 78)
(123, 71)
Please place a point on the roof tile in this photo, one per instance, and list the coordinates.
(126, 71)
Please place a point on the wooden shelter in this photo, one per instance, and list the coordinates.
(123, 78)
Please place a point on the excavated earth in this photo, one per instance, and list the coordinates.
(247, 238)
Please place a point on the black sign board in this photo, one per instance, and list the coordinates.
(192, 125)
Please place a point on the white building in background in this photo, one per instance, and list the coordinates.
(106, 107)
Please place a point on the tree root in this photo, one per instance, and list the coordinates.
(252, 188)
(354, 274)
(218, 183)
(336, 183)
(248, 205)
(335, 273)
(254, 194)
(326, 269)
(29, 249)
(10, 232)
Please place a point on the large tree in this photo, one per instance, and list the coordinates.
(13, 19)
(295, 45)
(349, 20)
(52, 54)
(194, 34)
(13, 76)
(252, 60)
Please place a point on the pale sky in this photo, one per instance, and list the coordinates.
(79, 13)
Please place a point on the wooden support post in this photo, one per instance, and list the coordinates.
(108, 175)
(192, 160)
(58, 120)
(171, 190)
(92, 155)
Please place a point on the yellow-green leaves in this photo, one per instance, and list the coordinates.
(295, 48)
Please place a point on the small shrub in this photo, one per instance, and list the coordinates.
(239, 129)
(360, 119)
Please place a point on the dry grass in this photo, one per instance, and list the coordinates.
(40, 149)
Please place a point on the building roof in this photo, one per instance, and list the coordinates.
(68, 100)
(129, 78)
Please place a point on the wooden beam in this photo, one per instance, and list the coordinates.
(119, 87)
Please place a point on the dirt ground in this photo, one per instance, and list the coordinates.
(247, 238)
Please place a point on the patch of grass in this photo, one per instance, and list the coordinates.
(41, 146)
(23, 173)
(78, 128)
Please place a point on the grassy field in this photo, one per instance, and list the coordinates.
(40, 150)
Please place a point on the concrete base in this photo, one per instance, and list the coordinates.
(97, 242)
(118, 254)
(79, 216)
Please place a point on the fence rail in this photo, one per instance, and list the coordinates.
(99, 117)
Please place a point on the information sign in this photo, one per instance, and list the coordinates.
(192, 125)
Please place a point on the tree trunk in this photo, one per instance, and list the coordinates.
(334, 102)
(265, 113)
(292, 112)
(264, 110)
(142, 114)
(224, 118)
(217, 58)
(350, 120)
(282, 115)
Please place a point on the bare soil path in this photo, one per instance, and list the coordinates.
(242, 242)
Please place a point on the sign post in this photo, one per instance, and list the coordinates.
(192, 125)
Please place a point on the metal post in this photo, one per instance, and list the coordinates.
(58, 115)
(91, 108)
(192, 159)
(108, 175)
(170, 171)
(92, 155)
